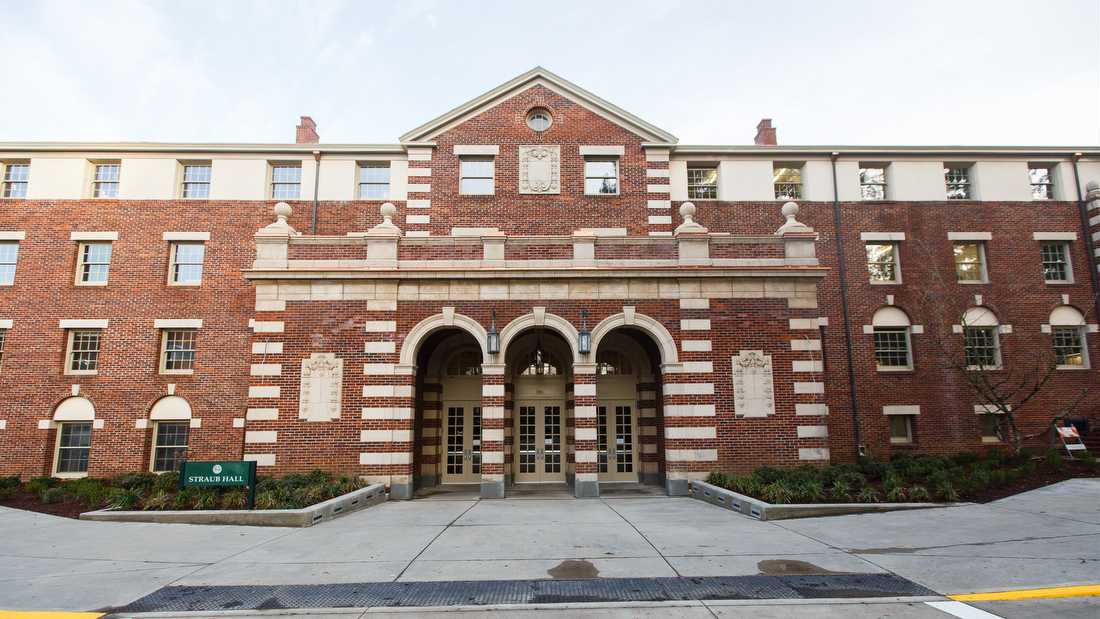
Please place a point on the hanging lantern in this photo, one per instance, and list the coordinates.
(584, 338)
(492, 338)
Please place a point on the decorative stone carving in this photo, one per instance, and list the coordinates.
(321, 389)
(753, 392)
(540, 169)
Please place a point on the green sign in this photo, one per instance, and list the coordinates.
(220, 474)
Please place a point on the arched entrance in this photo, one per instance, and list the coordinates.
(538, 370)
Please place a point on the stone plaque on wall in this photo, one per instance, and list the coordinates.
(539, 169)
(322, 386)
(753, 395)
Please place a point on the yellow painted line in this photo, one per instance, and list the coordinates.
(1030, 594)
(46, 614)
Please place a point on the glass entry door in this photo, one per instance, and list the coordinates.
(461, 443)
(617, 441)
(538, 443)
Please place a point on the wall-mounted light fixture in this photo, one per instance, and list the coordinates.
(492, 338)
(584, 338)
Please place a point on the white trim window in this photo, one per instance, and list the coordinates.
(883, 265)
(186, 258)
(702, 183)
(989, 427)
(1067, 332)
(93, 263)
(196, 180)
(1056, 265)
(890, 328)
(9, 259)
(956, 177)
(374, 180)
(169, 445)
(901, 429)
(177, 351)
(970, 261)
(983, 347)
(74, 446)
(601, 176)
(82, 351)
(16, 176)
(286, 181)
(787, 180)
(872, 181)
(1041, 179)
(105, 179)
(476, 175)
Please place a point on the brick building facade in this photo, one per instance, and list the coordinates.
(534, 287)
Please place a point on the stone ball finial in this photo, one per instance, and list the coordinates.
(388, 212)
(790, 210)
(283, 211)
(687, 211)
(1092, 186)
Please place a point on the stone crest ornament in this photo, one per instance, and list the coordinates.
(540, 169)
(753, 393)
(321, 388)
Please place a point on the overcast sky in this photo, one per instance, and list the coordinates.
(860, 72)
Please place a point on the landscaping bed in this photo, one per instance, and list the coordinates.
(153, 492)
(909, 479)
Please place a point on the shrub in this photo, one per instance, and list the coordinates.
(123, 498)
(268, 499)
(919, 494)
(135, 481)
(809, 491)
(55, 494)
(869, 495)
(167, 482)
(90, 492)
(840, 490)
(777, 492)
(946, 492)
(234, 499)
(159, 500)
(185, 498)
(718, 479)
(1053, 460)
(1087, 459)
(871, 468)
(744, 485)
(38, 484)
(966, 457)
(8, 492)
(206, 499)
(896, 494)
(11, 481)
(767, 475)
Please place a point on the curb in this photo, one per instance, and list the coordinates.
(759, 510)
(305, 517)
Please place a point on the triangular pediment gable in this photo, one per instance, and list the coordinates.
(539, 77)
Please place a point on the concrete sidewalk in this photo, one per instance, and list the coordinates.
(1042, 538)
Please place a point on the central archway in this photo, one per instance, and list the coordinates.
(538, 407)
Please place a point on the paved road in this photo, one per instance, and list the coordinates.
(1046, 537)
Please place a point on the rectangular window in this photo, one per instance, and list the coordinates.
(957, 179)
(982, 347)
(970, 261)
(703, 183)
(93, 263)
(374, 181)
(892, 348)
(105, 181)
(3, 340)
(74, 443)
(1069, 347)
(882, 262)
(476, 176)
(83, 354)
(16, 175)
(196, 180)
(872, 182)
(170, 445)
(1055, 257)
(9, 257)
(286, 181)
(901, 429)
(787, 181)
(990, 426)
(186, 263)
(601, 176)
(1042, 182)
(178, 356)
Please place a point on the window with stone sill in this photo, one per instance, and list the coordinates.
(872, 182)
(186, 259)
(970, 261)
(196, 180)
(476, 176)
(374, 180)
(882, 263)
(105, 179)
(82, 356)
(989, 425)
(169, 445)
(1042, 182)
(957, 179)
(9, 257)
(1069, 347)
(1055, 259)
(787, 180)
(702, 183)
(601, 176)
(16, 174)
(93, 263)
(982, 347)
(892, 348)
(74, 445)
(178, 351)
(286, 181)
(901, 429)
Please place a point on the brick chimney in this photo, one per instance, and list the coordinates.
(307, 132)
(765, 133)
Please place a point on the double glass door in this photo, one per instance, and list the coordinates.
(538, 432)
(462, 442)
(616, 441)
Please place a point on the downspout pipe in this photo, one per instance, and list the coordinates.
(316, 185)
(1090, 246)
(842, 272)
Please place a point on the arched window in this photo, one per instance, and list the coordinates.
(981, 338)
(891, 331)
(75, 418)
(541, 363)
(465, 363)
(613, 363)
(171, 418)
(1067, 328)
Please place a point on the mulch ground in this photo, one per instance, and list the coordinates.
(30, 502)
(1041, 477)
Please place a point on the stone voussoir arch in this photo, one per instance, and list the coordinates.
(661, 336)
(540, 319)
(444, 320)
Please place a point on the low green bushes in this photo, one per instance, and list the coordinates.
(903, 478)
(150, 491)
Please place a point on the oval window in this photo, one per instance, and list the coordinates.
(539, 119)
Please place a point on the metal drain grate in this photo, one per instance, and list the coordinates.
(481, 593)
